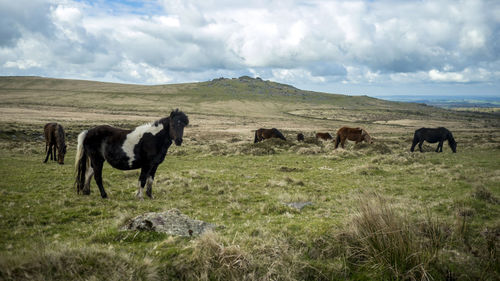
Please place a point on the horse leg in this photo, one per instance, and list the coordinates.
(149, 182)
(142, 181)
(440, 147)
(55, 152)
(49, 152)
(342, 142)
(420, 145)
(415, 141)
(97, 164)
(88, 177)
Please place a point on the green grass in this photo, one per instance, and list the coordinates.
(379, 212)
(244, 195)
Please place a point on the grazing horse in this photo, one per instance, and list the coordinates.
(262, 134)
(143, 148)
(300, 137)
(352, 134)
(324, 136)
(54, 139)
(434, 135)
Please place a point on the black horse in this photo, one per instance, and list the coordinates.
(54, 140)
(300, 137)
(433, 135)
(262, 134)
(144, 147)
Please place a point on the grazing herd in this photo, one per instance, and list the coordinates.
(431, 135)
(146, 146)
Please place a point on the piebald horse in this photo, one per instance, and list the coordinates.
(144, 147)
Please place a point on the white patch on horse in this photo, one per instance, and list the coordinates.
(135, 136)
(139, 191)
(88, 177)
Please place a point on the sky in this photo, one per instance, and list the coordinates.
(373, 48)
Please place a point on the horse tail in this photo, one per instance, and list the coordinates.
(337, 140)
(81, 162)
(258, 136)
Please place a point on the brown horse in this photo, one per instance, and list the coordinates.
(352, 134)
(54, 139)
(324, 136)
(262, 134)
(300, 137)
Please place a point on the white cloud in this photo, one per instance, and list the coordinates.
(439, 76)
(22, 64)
(302, 43)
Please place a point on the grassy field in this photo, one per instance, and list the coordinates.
(378, 212)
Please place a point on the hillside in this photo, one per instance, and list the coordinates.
(235, 98)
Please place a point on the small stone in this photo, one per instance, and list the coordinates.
(299, 205)
(172, 222)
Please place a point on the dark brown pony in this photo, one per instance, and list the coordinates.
(54, 140)
(324, 136)
(262, 134)
(433, 135)
(352, 134)
(300, 137)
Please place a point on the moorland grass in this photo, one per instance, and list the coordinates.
(378, 211)
(258, 236)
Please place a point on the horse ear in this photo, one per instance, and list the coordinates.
(172, 113)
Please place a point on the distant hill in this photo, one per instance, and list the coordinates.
(242, 97)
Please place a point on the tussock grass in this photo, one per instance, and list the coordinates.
(70, 263)
(482, 193)
(211, 258)
(388, 243)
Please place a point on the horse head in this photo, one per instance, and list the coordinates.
(365, 136)
(61, 151)
(178, 120)
(453, 144)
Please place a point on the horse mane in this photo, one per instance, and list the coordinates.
(179, 114)
(60, 136)
(175, 113)
(278, 133)
(451, 139)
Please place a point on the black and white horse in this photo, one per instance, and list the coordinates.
(143, 148)
(433, 135)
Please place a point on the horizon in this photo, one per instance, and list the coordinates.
(397, 97)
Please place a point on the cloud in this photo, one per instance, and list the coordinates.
(302, 43)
